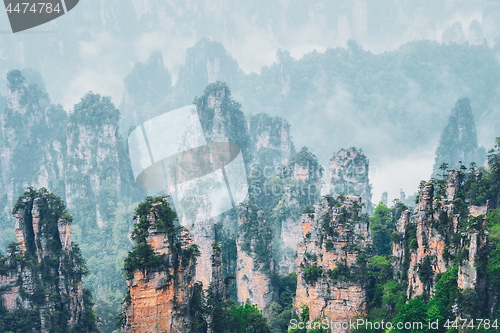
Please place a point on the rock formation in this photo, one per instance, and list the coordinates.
(255, 261)
(442, 228)
(328, 279)
(161, 278)
(74, 157)
(80, 157)
(458, 142)
(272, 145)
(41, 276)
(222, 121)
(348, 174)
(94, 156)
(146, 88)
(30, 118)
(299, 187)
(206, 62)
(164, 295)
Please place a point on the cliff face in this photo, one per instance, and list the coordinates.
(158, 302)
(255, 261)
(30, 118)
(348, 173)
(301, 188)
(458, 140)
(92, 157)
(333, 237)
(159, 294)
(206, 62)
(42, 278)
(271, 142)
(441, 228)
(146, 87)
(76, 157)
(80, 157)
(222, 121)
(164, 295)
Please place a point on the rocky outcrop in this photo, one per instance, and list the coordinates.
(458, 142)
(271, 145)
(93, 154)
(30, 118)
(333, 237)
(75, 157)
(42, 275)
(222, 121)
(255, 262)
(80, 157)
(219, 285)
(300, 187)
(164, 295)
(160, 294)
(348, 174)
(146, 87)
(206, 62)
(441, 229)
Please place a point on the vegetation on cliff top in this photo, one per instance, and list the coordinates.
(143, 257)
(95, 110)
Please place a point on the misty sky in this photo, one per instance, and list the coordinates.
(95, 46)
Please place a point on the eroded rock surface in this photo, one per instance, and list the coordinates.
(333, 237)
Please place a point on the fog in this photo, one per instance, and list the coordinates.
(96, 45)
(251, 32)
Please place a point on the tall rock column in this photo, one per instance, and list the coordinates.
(255, 262)
(97, 170)
(299, 187)
(458, 142)
(329, 281)
(33, 145)
(222, 121)
(271, 145)
(160, 272)
(348, 174)
(146, 87)
(43, 277)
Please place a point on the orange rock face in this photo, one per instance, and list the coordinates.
(159, 299)
(329, 298)
(436, 221)
(253, 284)
(252, 273)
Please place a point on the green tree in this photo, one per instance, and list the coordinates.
(382, 226)
(245, 318)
